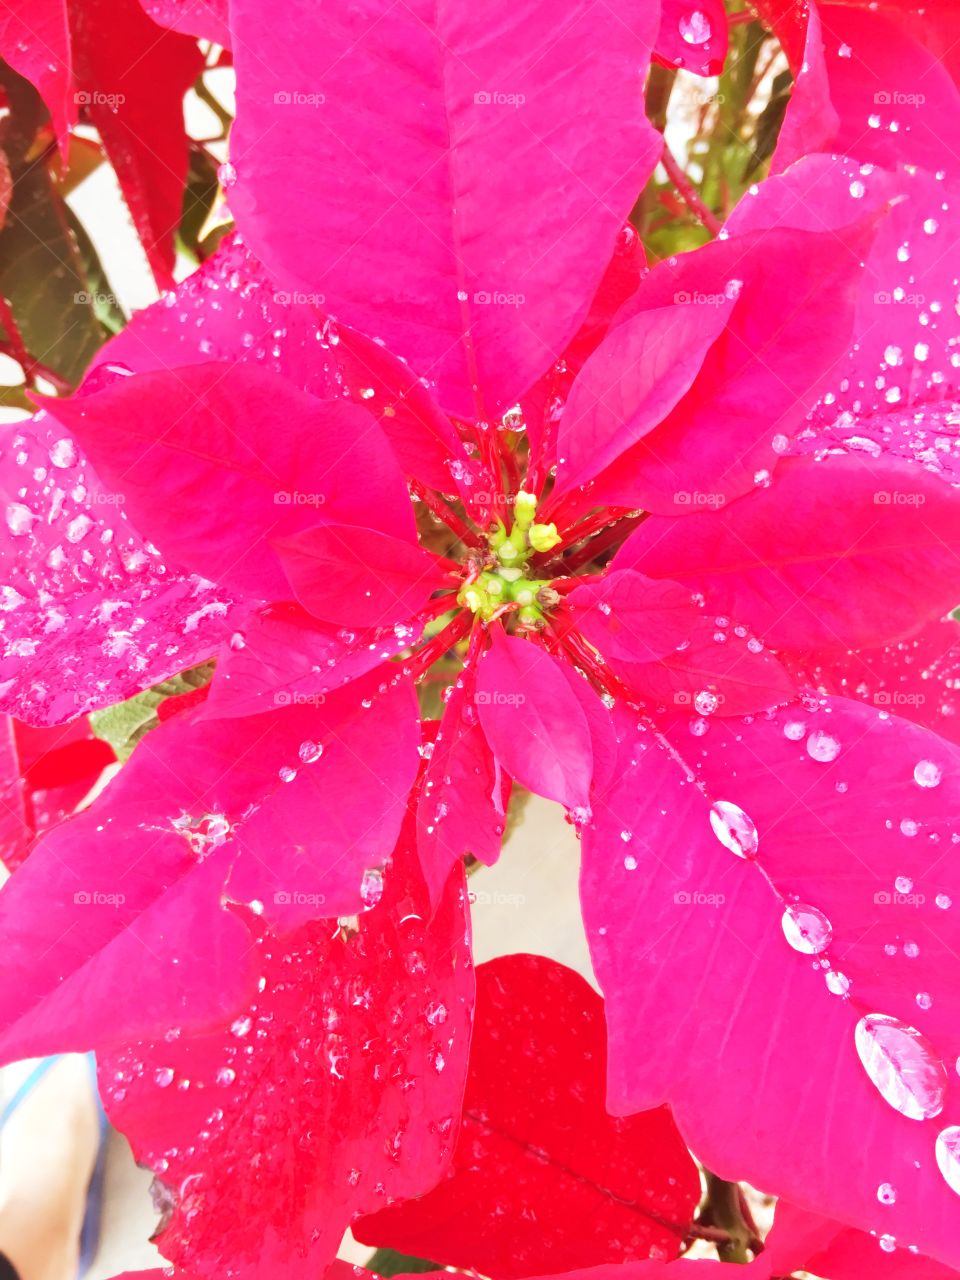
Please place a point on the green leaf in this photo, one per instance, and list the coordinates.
(199, 197)
(41, 271)
(387, 1262)
(125, 724)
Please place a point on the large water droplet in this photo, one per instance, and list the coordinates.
(822, 746)
(947, 1151)
(927, 773)
(902, 1064)
(695, 27)
(733, 828)
(806, 928)
(371, 887)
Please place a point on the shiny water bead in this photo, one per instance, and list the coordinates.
(902, 1065)
(947, 1152)
(695, 27)
(886, 1193)
(822, 746)
(806, 928)
(733, 828)
(927, 773)
(371, 887)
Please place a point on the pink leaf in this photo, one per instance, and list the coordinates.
(359, 577)
(630, 616)
(533, 720)
(584, 1188)
(435, 208)
(280, 656)
(835, 554)
(758, 382)
(343, 1024)
(462, 804)
(255, 809)
(206, 473)
(840, 907)
(631, 382)
(77, 582)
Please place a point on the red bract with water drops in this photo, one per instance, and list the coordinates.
(436, 483)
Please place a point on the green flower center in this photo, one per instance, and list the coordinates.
(502, 582)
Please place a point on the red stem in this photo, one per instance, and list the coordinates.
(441, 642)
(439, 508)
(688, 192)
(608, 537)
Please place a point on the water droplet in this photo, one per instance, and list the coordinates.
(857, 189)
(695, 27)
(227, 174)
(902, 1065)
(63, 453)
(310, 752)
(238, 640)
(19, 518)
(927, 774)
(838, 984)
(806, 928)
(733, 828)
(794, 730)
(822, 746)
(706, 702)
(163, 1076)
(903, 884)
(947, 1151)
(888, 1244)
(886, 1194)
(371, 887)
(943, 901)
(240, 1027)
(226, 1076)
(924, 1000)
(630, 862)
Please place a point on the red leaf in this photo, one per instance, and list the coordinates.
(367, 1032)
(543, 1179)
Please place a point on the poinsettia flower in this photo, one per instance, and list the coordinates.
(129, 78)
